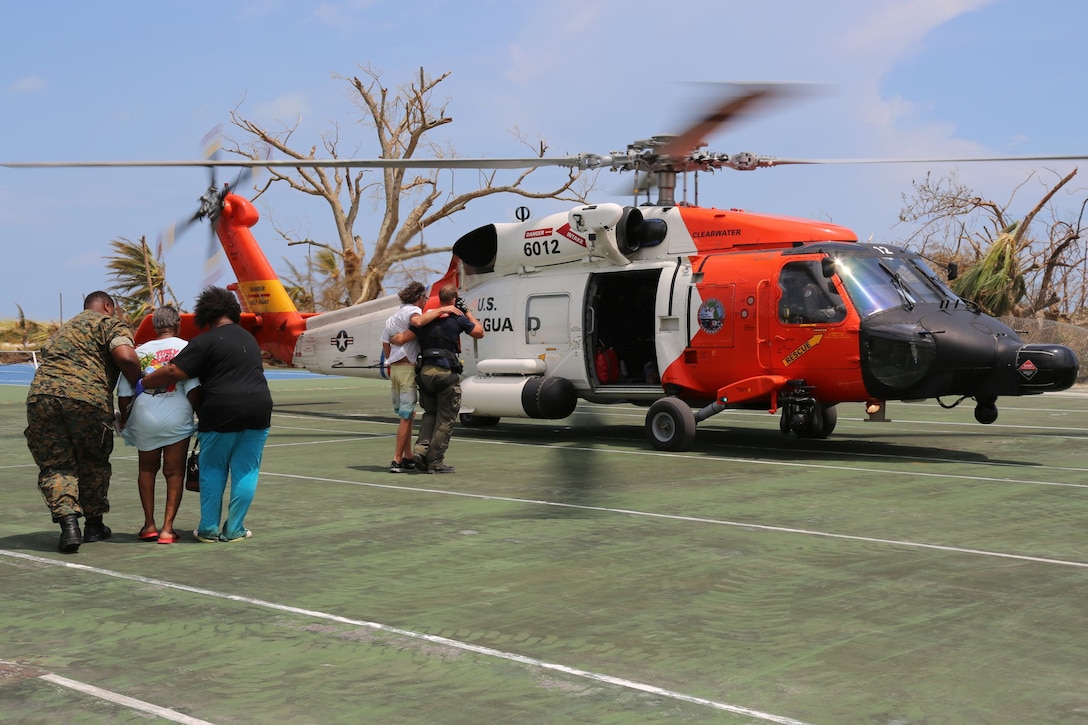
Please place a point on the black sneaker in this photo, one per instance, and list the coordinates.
(398, 467)
(408, 464)
(420, 462)
(442, 469)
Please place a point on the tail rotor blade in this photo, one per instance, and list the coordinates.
(211, 144)
(243, 178)
(169, 236)
(213, 260)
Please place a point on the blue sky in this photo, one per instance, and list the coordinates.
(145, 81)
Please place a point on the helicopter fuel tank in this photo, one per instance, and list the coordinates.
(519, 396)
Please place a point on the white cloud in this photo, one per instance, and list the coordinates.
(341, 14)
(554, 30)
(285, 108)
(29, 84)
(883, 36)
(897, 29)
(259, 8)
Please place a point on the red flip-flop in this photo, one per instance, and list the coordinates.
(147, 535)
(168, 538)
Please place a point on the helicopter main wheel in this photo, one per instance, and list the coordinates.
(829, 416)
(817, 424)
(670, 425)
(470, 420)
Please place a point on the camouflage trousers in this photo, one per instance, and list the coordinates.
(440, 395)
(71, 442)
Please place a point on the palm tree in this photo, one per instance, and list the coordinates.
(321, 286)
(995, 283)
(140, 278)
(22, 324)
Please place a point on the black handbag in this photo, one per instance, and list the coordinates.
(192, 469)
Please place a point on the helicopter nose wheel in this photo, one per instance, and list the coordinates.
(670, 425)
(986, 410)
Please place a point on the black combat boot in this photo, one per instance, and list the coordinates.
(70, 538)
(95, 530)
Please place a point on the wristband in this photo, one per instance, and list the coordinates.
(139, 387)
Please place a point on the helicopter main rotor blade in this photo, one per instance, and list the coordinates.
(581, 161)
(950, 160)
(728, 109)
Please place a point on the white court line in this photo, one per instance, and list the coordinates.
(754, 461)
(722, 420)
(789, 464)
(838, 451)
(456, 644)
(695, 519)
(129, 702)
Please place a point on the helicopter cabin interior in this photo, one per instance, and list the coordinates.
(620, 320)
(808, 296)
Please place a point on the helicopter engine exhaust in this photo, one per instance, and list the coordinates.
(601, 230)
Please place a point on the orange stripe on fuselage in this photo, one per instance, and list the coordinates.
(716, 230)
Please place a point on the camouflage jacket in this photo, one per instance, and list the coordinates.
(77, 362)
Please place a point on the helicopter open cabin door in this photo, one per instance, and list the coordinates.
(620, 322)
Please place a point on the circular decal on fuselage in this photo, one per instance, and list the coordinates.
(710, 315)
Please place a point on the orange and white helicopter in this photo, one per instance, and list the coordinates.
(687, 310)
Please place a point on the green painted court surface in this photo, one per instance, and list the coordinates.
(924, 570)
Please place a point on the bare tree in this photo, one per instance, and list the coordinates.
(1031, 265)
(409, 202)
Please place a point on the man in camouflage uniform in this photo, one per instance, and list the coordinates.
(69, 411)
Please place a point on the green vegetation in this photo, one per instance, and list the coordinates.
(23, 334)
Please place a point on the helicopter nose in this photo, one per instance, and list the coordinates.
(1043, 368)
(957, 352)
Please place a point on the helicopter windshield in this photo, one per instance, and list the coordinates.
(876, 283)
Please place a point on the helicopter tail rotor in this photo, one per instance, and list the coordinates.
(211, 204)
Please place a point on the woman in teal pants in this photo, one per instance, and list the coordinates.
(234, 415)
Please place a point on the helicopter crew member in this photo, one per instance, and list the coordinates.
(438, 376)
(69, 412)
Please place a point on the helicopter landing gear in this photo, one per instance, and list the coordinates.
(806, 417)
(670, 425)
(986, 410)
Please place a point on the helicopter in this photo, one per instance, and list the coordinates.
(686, 310)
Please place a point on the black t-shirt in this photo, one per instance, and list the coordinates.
(235, 394)
(442, 334)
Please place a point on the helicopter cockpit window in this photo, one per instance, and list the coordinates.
(808, 298)
(881, 283)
